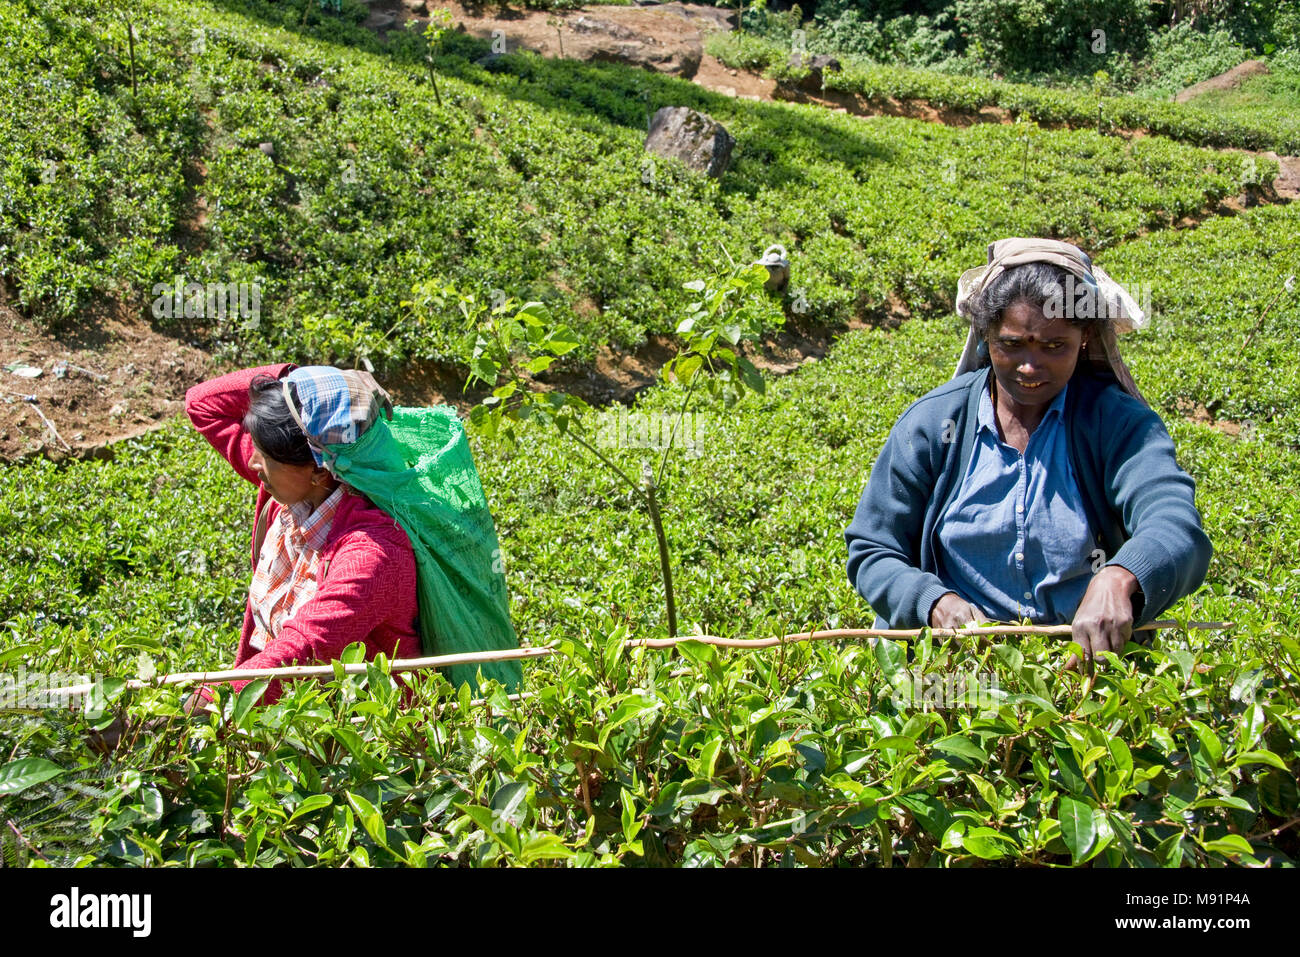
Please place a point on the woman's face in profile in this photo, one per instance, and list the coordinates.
(287, 484)
(1033, 356)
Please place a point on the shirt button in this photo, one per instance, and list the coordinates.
(1020, 556)
(1028, 595)
(1019, 509)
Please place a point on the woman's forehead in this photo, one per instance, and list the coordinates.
(1023, 320)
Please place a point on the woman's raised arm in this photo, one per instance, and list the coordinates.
(217, 409)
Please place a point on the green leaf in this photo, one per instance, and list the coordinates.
(1251, 726)
(544, 847)
(698, 652)
(369, 817)
(1067, 763)
(962, 746)
(1259, 757)
(631, 826)
(1229, 800)
(892, 658)
(533, 313)
(311, 803)
(1121, 756)
(684, 367)
(1278, 794)
(1169, 852)
(485, 369)
(247, 697)
(1229, 845)
(1211, 747)
(637, 706)
(615, 645)
(1078, 827)
(751, 377)
(1010, 656)
(21, 774)
(985, 843)
(666, 802)
(709, 757)
(561, 341)
(354, 745)
(507, 800)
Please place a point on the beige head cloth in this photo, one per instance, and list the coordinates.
(1115, 309)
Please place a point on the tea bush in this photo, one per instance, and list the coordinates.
(1184, 752)
(531, 178)
(943, 753)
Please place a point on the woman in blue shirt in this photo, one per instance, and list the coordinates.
(1037, 483)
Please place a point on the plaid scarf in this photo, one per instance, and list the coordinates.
(334, 406)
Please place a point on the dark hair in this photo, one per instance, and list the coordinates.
(272, 426)
(1035, 283)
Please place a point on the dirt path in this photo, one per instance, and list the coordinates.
(1228, 80)
(715, 75)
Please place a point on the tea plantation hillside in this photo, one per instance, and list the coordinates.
(942, 752)
(531, 179)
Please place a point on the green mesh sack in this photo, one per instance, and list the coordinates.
(419, 469)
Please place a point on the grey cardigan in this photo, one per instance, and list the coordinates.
(1140, 504)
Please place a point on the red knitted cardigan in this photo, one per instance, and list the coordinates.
(369, 590)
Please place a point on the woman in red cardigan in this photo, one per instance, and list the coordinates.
(331, 569)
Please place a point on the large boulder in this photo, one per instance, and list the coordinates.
(699, 141)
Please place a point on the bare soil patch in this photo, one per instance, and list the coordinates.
(112, 380)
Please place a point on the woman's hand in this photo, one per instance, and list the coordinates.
(1104, 621)
(953, 611)
(195, 703)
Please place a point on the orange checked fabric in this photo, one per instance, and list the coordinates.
(288, 565)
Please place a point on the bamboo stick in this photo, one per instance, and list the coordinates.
(399, 665)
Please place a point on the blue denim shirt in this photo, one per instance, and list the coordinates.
(1015, 540)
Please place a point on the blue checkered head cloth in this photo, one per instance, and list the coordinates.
(334, 406)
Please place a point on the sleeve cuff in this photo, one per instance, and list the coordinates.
(925, 604)
(1152, 597)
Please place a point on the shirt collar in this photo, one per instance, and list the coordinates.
(314, 525)
(984, 417)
